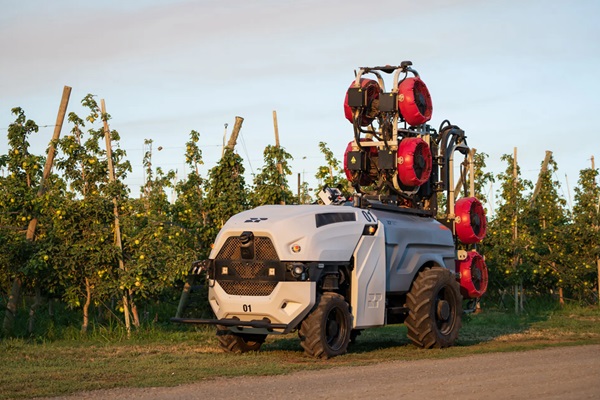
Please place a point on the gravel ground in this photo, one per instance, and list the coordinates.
(556, 373)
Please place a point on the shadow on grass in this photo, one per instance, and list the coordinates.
(486, 326)
(383, 338)
(495, 322)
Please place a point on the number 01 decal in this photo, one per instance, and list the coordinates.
(247, 308)
(369, 217)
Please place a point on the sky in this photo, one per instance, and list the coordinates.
(511, 73)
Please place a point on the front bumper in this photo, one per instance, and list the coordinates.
(279, 312)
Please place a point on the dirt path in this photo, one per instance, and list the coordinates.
(557, 373)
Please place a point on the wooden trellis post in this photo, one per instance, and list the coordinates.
(117, 237)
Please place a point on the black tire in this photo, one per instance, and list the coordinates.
(325, 332)
(435, 309)
(238, 342)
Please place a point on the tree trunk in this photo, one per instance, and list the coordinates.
(135, 314)
(86, 306)
(561, 298)
(11, 307)
(51, 307)
(33, 309)
(185, 296)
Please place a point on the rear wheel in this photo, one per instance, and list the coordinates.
(238, 342)
(435, 309)
(326, 331)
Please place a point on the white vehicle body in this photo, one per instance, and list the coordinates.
(323, 239)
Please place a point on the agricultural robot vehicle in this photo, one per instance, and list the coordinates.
(387, 255)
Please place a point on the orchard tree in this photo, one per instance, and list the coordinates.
(226, 193)
(546, 220)
(584, 236)
(84, 228)
(507, 245)
(189, 210)
(18, 205)
(156, 252)
(270, 184)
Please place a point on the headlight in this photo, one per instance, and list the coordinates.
(298, 271)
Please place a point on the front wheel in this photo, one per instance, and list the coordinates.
(238, 342)
(326, 331)
(435, 309)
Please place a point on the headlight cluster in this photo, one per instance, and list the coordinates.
(298, 271)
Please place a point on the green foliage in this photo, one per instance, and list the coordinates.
(507, 247)
(332, 174)
(270, 184)
(482, 177)
(546, 220)
(582, 238)
(226, 193)
(189, 211)
(18, 203)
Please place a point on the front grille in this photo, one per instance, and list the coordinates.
(245, 276)
(245, 270)
(248, 288)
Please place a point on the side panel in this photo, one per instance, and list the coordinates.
(289, 303)
(410, 242)
(368, 281)
(406, 259)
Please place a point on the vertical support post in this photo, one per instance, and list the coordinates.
(515, 220)
(279, 166)
(543, 170)
(450, 185)
(60, 118)
(516, 298)
(596, 227)
(224, 138)
(111, 175)
(234, 133)
(472, 172)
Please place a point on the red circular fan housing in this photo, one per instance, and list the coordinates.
(414, 101)
(369, 113)
(414, 161)
(473, 275)
(471, 223)
(365, 177)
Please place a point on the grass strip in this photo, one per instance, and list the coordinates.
(159, 357)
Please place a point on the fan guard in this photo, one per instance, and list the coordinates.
(369, 113)
(473, 275)
(414, 101)
(471, 223)
(414, 161)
